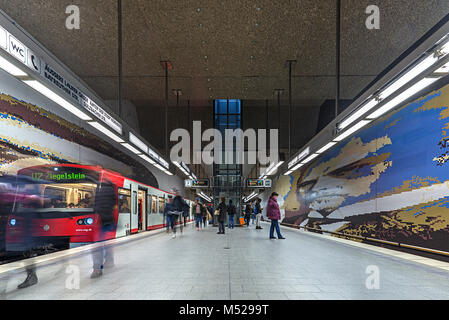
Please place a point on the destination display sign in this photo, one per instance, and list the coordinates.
(197, 183)
(258, 183)
(60, 175)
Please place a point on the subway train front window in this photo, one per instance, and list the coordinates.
(55, 189)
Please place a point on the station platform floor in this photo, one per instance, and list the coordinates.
(243, 264)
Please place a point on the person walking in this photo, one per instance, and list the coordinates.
(247, 214)
(253, 214)
(177, 208)
(231, 214)
(258, 213)
(274, 214)
(222, 208)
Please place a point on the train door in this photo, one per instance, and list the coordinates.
(141, 210)
(124, 209)
(134, 209)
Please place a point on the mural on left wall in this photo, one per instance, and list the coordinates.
(30, 135)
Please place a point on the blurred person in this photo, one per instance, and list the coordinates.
(204, 216)
(258, 213)
(274, 214)
(177, 209)
(248, 211)
(253, 215)
(103, 257)
(166, 215)
(222, 208)
(231, 214)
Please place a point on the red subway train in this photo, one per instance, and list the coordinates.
(61, 204)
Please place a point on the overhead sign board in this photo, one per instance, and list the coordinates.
(197, 183)
(258, 183)
(18, 50)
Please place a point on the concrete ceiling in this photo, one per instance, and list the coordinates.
(227, 49)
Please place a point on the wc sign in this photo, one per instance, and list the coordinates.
(17, 49)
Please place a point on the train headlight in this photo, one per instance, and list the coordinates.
(12, 222)
(89, 221)
(80, 222)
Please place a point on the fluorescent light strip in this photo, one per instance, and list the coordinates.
(274, 168)
(353, 129)
(288, 173)
(36, 85)
(105, 131)
(326, 147)
(360, 112)
(402, 97)
(159, 167)
(11, 68)
(137, 142)
(168, 172)
(410, 75)
(131, 148)
(299, 157)
(310, 158)
(146, 158)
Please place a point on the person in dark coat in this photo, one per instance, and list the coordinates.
(248, 212)
(274, 214)
(231, 214)
(222, 216)
(177, 209)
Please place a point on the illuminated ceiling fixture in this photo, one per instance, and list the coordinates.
(353, 129)
(106, 132)
(403, 96)
(39, 87)
(11, 68)
(360, 112)
(408, 76)
(274, 168)
(326, 147)
(131, 148)
(138, 143)
(310, 158)
(147, 159)
(299, 157)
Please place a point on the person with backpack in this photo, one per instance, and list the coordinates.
(274, 214)
(231, 214)
(258, 213)
(204, 216)
(222, 208)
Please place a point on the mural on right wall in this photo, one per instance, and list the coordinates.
(389, 181)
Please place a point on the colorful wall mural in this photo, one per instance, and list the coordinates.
(30, 135)
(388, 181)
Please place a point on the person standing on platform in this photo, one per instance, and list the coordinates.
(204, 216)
(258, 213)
(231, 214)
(222, 208)
(198, 214)
(274, 214)
(247, 214)
(253, 215)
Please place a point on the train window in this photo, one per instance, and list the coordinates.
(67, 196)
(161, 204)
(124, 202)
(153, 204)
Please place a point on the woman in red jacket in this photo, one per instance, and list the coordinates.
(274, 214)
